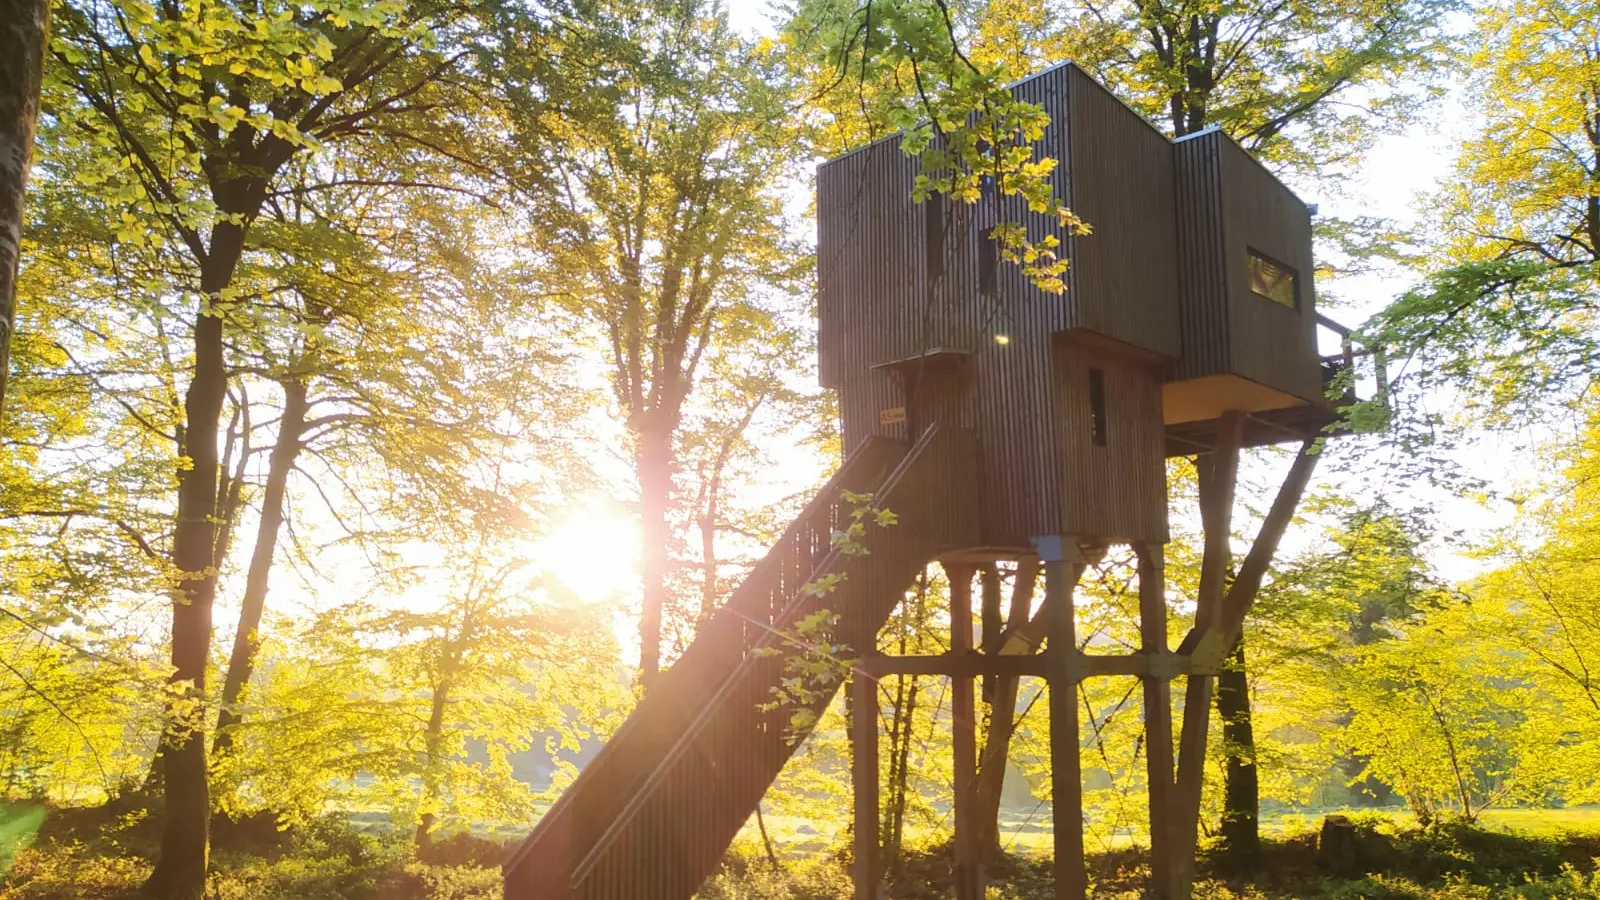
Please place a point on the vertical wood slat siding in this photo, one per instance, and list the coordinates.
(1116, 492)
(876, 299)
(1125, 281)
(1203, 289)
(1228, 204)
(876, 304)
(1269, 342)
(1021, 479)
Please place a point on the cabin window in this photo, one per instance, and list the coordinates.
(988, 261)
(1273, 280)
(1097, 407)
(933, 233)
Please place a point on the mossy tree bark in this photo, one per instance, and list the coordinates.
(24, 25)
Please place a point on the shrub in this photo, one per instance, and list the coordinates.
(463, 849)
(50, 871)
(746, 877)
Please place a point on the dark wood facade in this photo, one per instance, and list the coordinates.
(1109, 440)
(1230, 209)
(1123, 280)
(919, 324)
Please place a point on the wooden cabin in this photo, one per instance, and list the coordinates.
(1193, 295)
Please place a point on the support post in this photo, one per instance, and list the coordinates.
(1066, 778)
(1218, 473)
(1157, 716)
(963, 715)
(1242, 593)
(864, 775)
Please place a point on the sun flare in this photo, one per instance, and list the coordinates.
(593, 552)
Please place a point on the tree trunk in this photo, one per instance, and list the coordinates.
(241, 663)
(1002, 717)
(899, 778)
(653, 463)
(430, 776)
(230, 481)
(1241, 837)
(708, 547)
(22, 42)
(713, 506)
(902, 712)
(992, 772)
(180, 870)
(991, 627)
(766, 839)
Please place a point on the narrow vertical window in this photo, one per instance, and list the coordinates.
(988, 260)
(933, 233)
(1097, 407)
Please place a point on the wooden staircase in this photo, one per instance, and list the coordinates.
(652, 814)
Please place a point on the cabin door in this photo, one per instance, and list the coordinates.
(932, 395)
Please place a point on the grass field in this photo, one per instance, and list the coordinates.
(1522, 854)
(1539, 822)
(1029, 831)
(1545, 821)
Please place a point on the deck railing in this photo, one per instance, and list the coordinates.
(1334, 365)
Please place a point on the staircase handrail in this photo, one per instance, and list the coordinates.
(873, 452)
(638, 797)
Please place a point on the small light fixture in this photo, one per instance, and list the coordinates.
(999, 324)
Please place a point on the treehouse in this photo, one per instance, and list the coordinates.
(998, 422)
(1191, 296)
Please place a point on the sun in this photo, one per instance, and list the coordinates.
(592, 551)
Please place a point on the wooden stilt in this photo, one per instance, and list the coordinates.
(963, 714)
(1242, 593)
(1191, 780)
(1157, 717)
(864, 776)
(1066, 792)
(1218, 476)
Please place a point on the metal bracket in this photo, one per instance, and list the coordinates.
(1069, 548)
(1209, 654)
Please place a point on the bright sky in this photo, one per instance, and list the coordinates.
(1395, 183)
